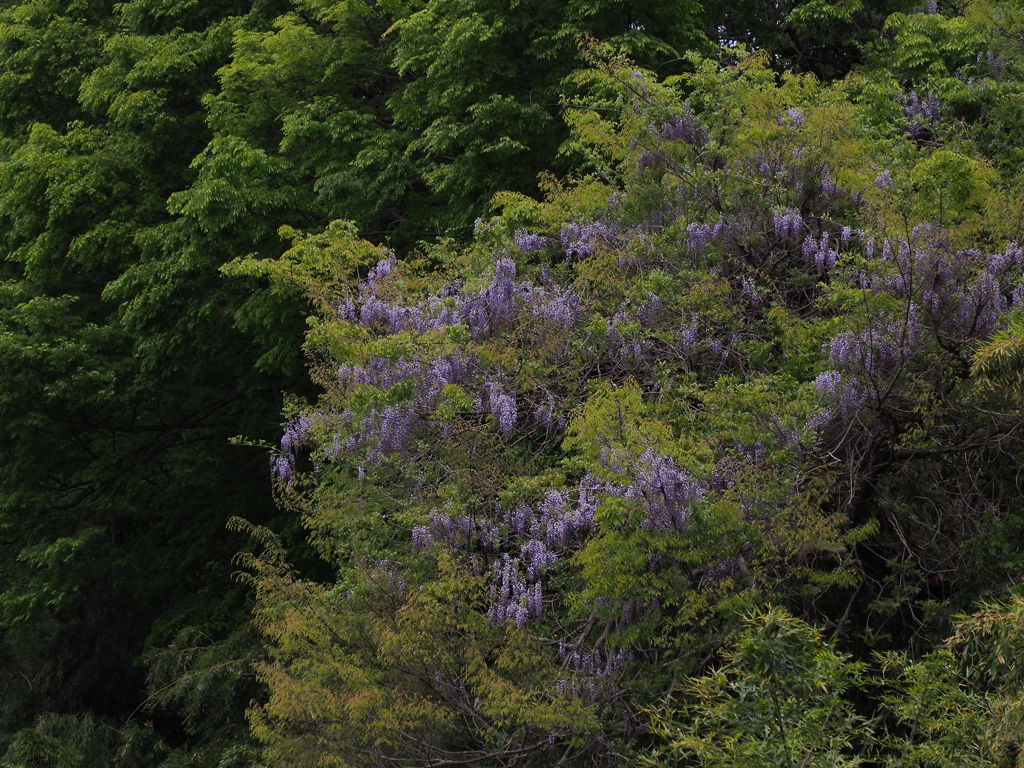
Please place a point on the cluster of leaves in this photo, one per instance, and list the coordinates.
(782, 696)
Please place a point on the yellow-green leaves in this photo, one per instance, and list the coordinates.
(951, 186)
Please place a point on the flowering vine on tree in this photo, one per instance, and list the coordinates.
(552, 473)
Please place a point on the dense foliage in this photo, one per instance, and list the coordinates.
(699, 447)
(731, 366)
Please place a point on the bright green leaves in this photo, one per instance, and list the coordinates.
(326, 258)
(929, 47)
(784, 696)
(143, 81)
(614, 428)
(818, 13)
(269, 70)
(950, 185)
(53, 187)
(1000, 361)
(236, 182)
(780, 698)
(314, 261)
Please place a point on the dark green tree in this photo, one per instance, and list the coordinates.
(116, 407)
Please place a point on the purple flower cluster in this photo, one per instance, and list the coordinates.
(512, 599)
(648, 311)
(923, 114)
(387, 429)
(580, 239)
(455, 532)
(845, 394)
(592, 673)
(501, 404)
(527, 242)
(651, 159)
(819, 254)
(864, 361)
(625, 345)
(298, 434)
(750, 293)
(282, 468)
(685, 127)
(531, 540)
(953, 296)
(665, 493)
(557, 521)
(795, 117)
(689, 334)
(881, 348)
(541, 533)
(699, 235)
(787, 224)
(962, 292)
(483, 311)
(993, 64)
(624, 332)
(554, 307)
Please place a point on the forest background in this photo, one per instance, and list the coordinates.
(641, 383)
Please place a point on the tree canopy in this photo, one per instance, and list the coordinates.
(635, 363)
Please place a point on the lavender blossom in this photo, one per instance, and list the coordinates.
(645, 161)
(560, 308)
(750, 293)
(544, 414)
(688, 334)
(512, 600)
(787, 223)
(844, 393)
(685, 128)
(923, 115)
(382, 269)
(993, 64)
(502, 405)
(647, 312)
(698, 235)
(537, 557)
(580, 239)
(528, 242)
(282, 468)
(665, 493)
(297, 433)
(818, 253)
